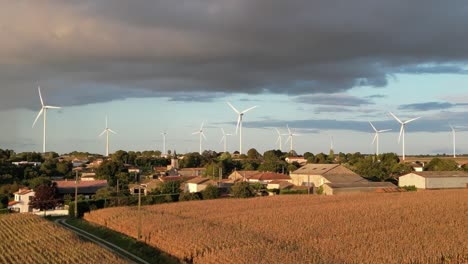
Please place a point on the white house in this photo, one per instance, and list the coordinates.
(21, 202)
(435, 179)
(198, 184)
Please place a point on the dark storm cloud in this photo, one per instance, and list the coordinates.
(142, 48)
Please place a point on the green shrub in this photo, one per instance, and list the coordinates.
(186, 196)
(210, 192)
(320, 190)
(410, 188)
(242, 190)
(293, 191)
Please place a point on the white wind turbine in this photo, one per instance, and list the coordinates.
(279, 140)
(224, 138)
(454, 141)
(376, 137)
(402, 130)
(290, 135)
(332, 145)
(239, 123)
(106, 131)
(164, 134)
(200, 132)
(43, 111)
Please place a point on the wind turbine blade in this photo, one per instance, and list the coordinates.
(203, 134)
(287, 140)
(103, 132)
(197, 132)
(40, 95)
(248, 109)
(38, 115)
(278, 139)
(401, 132)
(238, 124)
(107, 125)
(375, 138)
(222, 138)
(384, 130)
(201, 127)
(224, 133)
(233, 108)
(112, 131)
(396, 118)
(375, 129)
(411, 120)
(277, 131)
(289, 130)
(52, 107)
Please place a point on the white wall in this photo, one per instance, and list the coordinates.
(412, 179)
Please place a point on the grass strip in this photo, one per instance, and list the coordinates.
(140, 249)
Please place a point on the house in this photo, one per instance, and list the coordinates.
(133, 170)
(27, 163)
(78, 162)
(21, 202)
(88, 176)
(300, 159)
(418, 167)
(86, 188)
(316, 175)
(435, 179)
(145, 187)
(279, 184)
(175, 178)
(198, 184)
(241, 175)
(191, 171)
(266, 177)
(358, 187)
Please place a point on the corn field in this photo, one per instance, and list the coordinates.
(413, 227)
(26, 238)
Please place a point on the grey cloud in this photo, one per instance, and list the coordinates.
(331, 109)
(148, 48)
(429, 106)
(374, 96)
(422, 69)
(333, 99)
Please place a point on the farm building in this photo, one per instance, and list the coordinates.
(198, 184)
(319, 174)
(361, 186)
(86, 188)
(241, 175)
(435, 179)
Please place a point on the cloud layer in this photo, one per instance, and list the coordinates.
(152, 48)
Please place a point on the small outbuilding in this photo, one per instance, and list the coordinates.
(435, 179)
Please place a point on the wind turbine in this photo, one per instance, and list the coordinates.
(376, 137)
(331, 143)
(106, 131)
(290, 137)
(43, 111)
(164, 141)
(279, 140)
(200, 132)
(239, 123)
(454, 141)
(402, 130)
(224, 138)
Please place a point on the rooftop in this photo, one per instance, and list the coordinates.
(439, 174)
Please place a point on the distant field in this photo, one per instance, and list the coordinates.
(28, 238)
(413, 227)
(459, 159)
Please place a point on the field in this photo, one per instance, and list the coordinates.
(28, 238)
(413, 227)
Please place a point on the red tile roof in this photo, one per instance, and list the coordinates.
(23, 191)
(12, 203)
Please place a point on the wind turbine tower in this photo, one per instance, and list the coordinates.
(164, 134)
(224, 138)
(43, 110)
(202, 135)
(290, 135)
(376, 137)
(106, 131)
(454, 139)
(402, 130)
(239, 122)
(279, 140)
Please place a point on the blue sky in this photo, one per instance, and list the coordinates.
(171, 65)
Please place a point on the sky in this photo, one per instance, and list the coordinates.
(323, 68)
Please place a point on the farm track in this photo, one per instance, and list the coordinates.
(103, 243)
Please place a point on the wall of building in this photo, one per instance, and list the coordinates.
(301, 179)
(412, 179)
(446, 182)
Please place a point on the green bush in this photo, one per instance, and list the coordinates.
(293, 192)
(276, 191)
(186, 196)
(210, 192)
(320, 190)
(410, 188)
(242, 190)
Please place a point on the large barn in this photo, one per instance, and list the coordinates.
(435, 179)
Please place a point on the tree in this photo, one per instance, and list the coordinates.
(35, 182)
(63, 168)
(210, 192)
(437, 164)
(45, 197)
(242, 190)
(191, 160)
(253, 154)
(3, 201)
(170, 187)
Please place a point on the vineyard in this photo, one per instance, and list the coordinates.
(414, 227)
(28, 238)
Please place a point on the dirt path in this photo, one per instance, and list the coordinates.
(103, 243)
